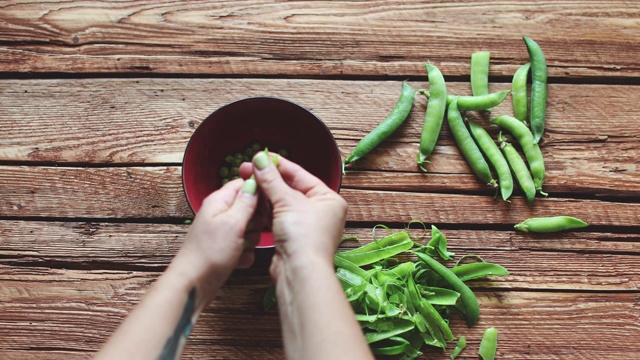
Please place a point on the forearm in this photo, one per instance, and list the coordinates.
(159, 326)
(317, 320)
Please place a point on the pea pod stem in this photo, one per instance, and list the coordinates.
(434, 115)
(469, 301)
(551, 224)
(467, 146)
(387, 127)
(474, 103)
(538, 88)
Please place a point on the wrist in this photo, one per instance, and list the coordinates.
(190, 272)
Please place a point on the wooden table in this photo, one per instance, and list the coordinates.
(99, 99)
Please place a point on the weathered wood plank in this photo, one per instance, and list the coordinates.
(567, 261)
(156, 192)
(375, 38)
(151, 120)
(60, 309)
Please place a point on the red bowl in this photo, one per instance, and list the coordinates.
(272, 122)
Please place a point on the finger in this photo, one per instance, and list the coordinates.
(300, 179)
(245, 203)
(269, 179)
(246, 259)
(246, 170)
(221, 199)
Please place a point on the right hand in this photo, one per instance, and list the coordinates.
(308, 216)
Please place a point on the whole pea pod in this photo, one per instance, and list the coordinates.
(519, 168)
(387, 127)
(531, 150)
(467, 146)
(538, 88)
(519, 93)
(475, 103)
(491, 150)
(480, 72)
(434, 115)
(551, 224)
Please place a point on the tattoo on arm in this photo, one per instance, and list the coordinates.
(175, 342)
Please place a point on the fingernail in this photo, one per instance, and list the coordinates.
(250, 186)
(261, 160)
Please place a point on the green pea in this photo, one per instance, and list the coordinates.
(248, 153)
(224, 181)
(531, 150)
(387, 127)
(519, 168)
(475, 103)
(491, 150)
(228, 159)
(434, 114)
(223, 172)
(234, 171)
(519, 93)
(284, 153)
(489, 344)
(480, 73)
(551, 224)
(467, 146)
(237, 159)
(538, 88)
(469, 301)
(256, 147)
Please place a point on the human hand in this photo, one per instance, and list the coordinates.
(308, 217)
(220, 238)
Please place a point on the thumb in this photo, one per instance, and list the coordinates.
(269, 179)
(245, 203)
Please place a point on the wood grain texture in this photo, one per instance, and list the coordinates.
(567, 261)
(64, 120)
(374, 38)
(77, 310)
(156, 192)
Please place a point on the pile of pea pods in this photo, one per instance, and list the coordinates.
(479, 149)
(404, 306)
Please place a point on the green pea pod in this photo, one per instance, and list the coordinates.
(397, 347)
(478, 270)
(438, 328)
(538, 88)
(489, 344)
(519, 93)
(386, 241)
(493, 153)
(475, 103)
(398, 272)
(387, 127)
(369, 257)
(468, 147)
(531, 149)
(269, 298)
(469, 302)
(551, 224)
(388, 328)
(460, 345)
(348, 265)
(480, 72)
(439, 296)
(438, 244)
(519, 168)
(434, 115)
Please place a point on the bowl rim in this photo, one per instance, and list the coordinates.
(272, 98)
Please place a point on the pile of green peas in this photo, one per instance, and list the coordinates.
(231, 169)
